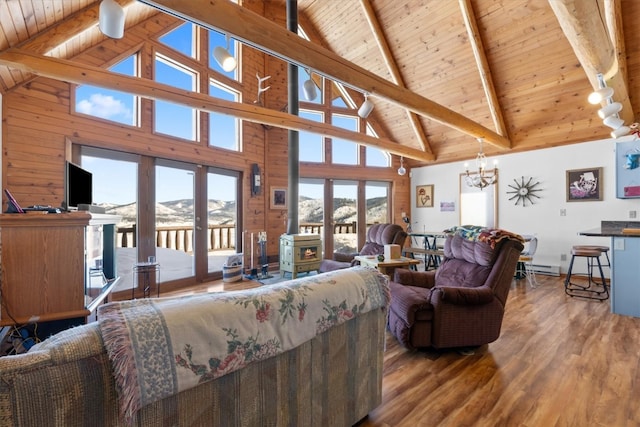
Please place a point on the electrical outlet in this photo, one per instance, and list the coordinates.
(563, 257)
(632, 214)
(563, 212)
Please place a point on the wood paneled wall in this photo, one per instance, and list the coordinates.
(39, 122)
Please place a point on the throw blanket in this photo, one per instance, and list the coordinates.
(490, 236)
(159, 347)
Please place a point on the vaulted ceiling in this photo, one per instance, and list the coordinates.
(441, 73)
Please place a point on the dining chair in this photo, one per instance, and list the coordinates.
(525, 262)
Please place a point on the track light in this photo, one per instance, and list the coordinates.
(401, 169)
(111, 19)
(366, 108)
(614, 122)
(621, 131)
(609, 113)
(600, 95)
(609, 110)
(309, 88)
(224, 58)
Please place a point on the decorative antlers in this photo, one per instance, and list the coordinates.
(260, 88)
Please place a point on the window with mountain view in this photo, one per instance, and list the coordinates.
(117, 193)
(222, 216)
(345, 216)
(175, 219)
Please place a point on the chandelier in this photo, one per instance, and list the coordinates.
(482, 178)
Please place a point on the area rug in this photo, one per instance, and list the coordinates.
(277, 277)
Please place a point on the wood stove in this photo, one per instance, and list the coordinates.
(300, 253)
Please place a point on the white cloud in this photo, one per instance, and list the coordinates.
(104, 106)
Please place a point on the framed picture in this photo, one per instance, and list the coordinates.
(424, 196)
(278, 198)
(584, 185)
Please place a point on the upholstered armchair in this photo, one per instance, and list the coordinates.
(378, 235)
(461, 304)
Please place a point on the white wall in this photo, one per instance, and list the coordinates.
(556, 234)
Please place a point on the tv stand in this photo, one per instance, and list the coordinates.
(50, 265)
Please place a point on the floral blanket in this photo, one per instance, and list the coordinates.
(159, 347)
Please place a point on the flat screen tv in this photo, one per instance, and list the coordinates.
(78, 185)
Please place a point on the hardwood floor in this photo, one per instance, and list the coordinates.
(559, 361)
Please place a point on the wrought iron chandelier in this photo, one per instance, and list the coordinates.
(482, 178)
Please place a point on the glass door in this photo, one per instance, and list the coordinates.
(222, 217)
(175, 219)
(114, 179)
(345, 216)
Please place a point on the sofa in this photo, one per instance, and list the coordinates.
(462, 303)
(378, 235)
(306, 352)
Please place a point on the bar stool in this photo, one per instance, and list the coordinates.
(603, 249)
(592, 289)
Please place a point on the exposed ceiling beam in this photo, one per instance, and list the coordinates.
(483, 66)
(56, 35)
(613, 14)
(392, 66)
(584, 24)
(73, 72)
(263, 34)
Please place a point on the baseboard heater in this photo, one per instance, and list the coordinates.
(549, 270)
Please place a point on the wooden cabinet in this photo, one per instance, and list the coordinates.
(55, 266)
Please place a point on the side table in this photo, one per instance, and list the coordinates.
(386, 267)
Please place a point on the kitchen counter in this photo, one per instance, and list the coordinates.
(625, 264)
(615, 229)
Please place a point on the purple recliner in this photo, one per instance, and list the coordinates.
(461, 304)
(378, 235)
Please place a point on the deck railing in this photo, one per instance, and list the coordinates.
(219, 237)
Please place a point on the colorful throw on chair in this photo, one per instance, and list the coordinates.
(160, 347)
(477, 233)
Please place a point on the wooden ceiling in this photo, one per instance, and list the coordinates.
(441, 73)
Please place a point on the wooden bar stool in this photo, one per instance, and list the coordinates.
(603, 249)
(592, 289)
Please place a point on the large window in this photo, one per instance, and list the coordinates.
(375, 156)
(182, 39)
(311, 144)
(110, 104)
(223, 129)
(172, 119)
(342, 151)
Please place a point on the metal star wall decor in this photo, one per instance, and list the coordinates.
(523, 192)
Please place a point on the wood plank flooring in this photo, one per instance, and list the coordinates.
(559, 361)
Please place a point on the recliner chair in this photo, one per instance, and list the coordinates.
(461, 304)
(378, 235)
